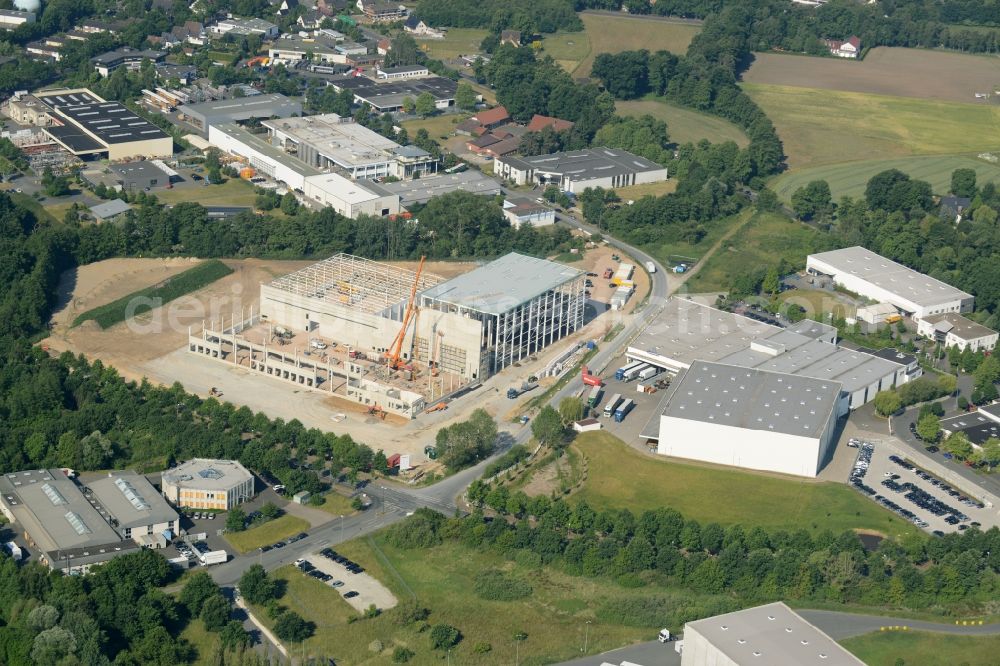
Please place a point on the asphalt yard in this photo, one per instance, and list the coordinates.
(367, 589)
(938, 506)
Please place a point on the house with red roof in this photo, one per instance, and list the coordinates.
(540, 122)
(849, 48)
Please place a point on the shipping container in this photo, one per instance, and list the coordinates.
(623, 410)
(609, 408)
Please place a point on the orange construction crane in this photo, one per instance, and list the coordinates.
(397, 345)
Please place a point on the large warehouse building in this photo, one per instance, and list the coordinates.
(756, 419)
(577, 170)
(219, 112)
(687, 331)
(863, 272)
(87, 126)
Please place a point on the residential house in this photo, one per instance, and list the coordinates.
(129, 58)
(512, 37)
(330, 7)
(540, 122)
(49, 47)
(954, 207)
(285, 7)
(491, 118)
(850, 48)
(380, 11)
(311, 19)
(418, 28)
(520, 210)
(383, 47)
(953, 330)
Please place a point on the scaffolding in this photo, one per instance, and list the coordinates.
(369, 286)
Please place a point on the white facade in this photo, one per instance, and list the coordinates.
(224, 138)
(399, 73)
(954, 330)
(348, 197)
(863, 272)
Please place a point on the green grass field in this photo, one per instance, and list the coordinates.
(436, 126)
(336, 504)
(621, 477)
(441, 578)
(568, 49)
(850, 178)
(761, 243)
(31, 204)
(204, 641)
(684, 125)
(147, 299)
(233, 192)
(634, 192)
(614, 34)
(670, 252)
(457, 42)
(266, 534)
(818, 301)
(919, 648)
(827, 126)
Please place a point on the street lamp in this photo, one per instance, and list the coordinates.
(586, 636)
(341, 528)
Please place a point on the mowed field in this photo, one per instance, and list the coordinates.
(613, 34)
(850, 178)
(457, 42)
(684, 125)
(820, 126)
(920, 73)
(621, 477)
(921, 648)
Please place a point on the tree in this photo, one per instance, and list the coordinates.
(409, 105)
(236, 521)
(813, 200)
(255, 586)
(928, 427)
(772, 281)
(289, 204)
(444, 636)
(465, 97)
(290, 626)
(196, 590)
(887, 402)
(963, 183)
(463, 444)
(989, 453)
(958, 445)
(215, 612)
(570, 409)
(233, 636)
(548, 427)
(52, 645)
(270, 510)
(424, 106)
(42, 618)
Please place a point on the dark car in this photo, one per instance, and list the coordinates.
(279, 544)
(264, 549)
(350, 595)
(195, 177)
(932, 449)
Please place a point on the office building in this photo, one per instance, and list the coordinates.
(203, 483)
(577, 170)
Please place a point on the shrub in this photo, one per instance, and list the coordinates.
(631, 580)
(482, 647)
(409, 611)
(528, 559)
(372, 611)
(497, 586)
(401, 655)
(376, 646)
(509, 459)
(444, 636)
(418, 531)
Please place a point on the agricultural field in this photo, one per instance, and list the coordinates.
(684, 125)
(920, 648)
(919, 73)
(266, 534)
(815, 128)
(457, 42)
(621, 477)
(554, 616)
(850, 178)
(763, 242)
(613, 34)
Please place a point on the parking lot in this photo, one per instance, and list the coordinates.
(646, 404)
(915, 494)
(349, 579)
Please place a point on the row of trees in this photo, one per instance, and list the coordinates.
(527, 16)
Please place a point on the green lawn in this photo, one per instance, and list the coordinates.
(436, 126)
(850, 178)
(206, 642)
(233, 192)
(819, 301)
(684, 125)
(828, 126)
(554, 616)
(621, 477)
(634, 192)
(266, 534)
(919, 648)
(763, 242)
(614, 34)
(569, 49)
(33, 205)
(673, 253)
(458, 41)
(336, 504)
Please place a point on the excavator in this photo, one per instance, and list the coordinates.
(393, 356)
(377, 411)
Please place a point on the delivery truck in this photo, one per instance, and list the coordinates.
(620, 372)
(634, 372)
(648, 372)
(517, 389)
(609, 407)
(595, 397)
(623, 410)
(651, 267)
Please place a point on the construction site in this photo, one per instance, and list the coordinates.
(395, 340)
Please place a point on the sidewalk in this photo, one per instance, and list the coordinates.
(260, 626)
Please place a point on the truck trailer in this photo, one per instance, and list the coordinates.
(517, 389)
(595, 397)
(648, 372)
(634, 372)
(620, 372)
(623, 410)
(610, 405)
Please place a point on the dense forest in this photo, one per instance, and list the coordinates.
(528, 16)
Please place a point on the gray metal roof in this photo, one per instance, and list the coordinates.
(131, 499)
(110, 209)
(687, 331)
(424, 188)
(965, 421)
(772, 634)
(502, 284)
(586, 164)
(208, 474)
(244, 108)
(959, 326)
(895, 278)
(754, 399)
(260, 145)
(812, 329)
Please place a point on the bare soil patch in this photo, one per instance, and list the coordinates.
(903, 72)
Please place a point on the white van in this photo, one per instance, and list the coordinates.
(664, 636)
(317, 344)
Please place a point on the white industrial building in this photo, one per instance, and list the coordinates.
(261, 155)
(577, 170)
(772, 634)
(755, 419)
(350, 198)
(686, 331)
(204, 483)
(521, 210)
(138, 511)
(863, 272)
(954, 330)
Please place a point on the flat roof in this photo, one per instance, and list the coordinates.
(66, 97)
(391, 93)
(110, 209)
(339, 139)
(978, 434)
(349, 191)
(961, 327)
(993, 410)
(112, 122)
(686, 331)
(754, 399)
(423, 189)
(403, 69)
(890, 354)
(53, 510)
(127, 53)
(771, 634)
(965, 421)
(207, 474)
(75, 139)
(586, 164)
(132, 499)
(812, 329)
(261, 146)
(258, 106)
(893, 277)
(142, 170)
(502, 284)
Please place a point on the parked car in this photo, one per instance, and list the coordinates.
(350, 595)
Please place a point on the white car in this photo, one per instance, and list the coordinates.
(317, 344)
